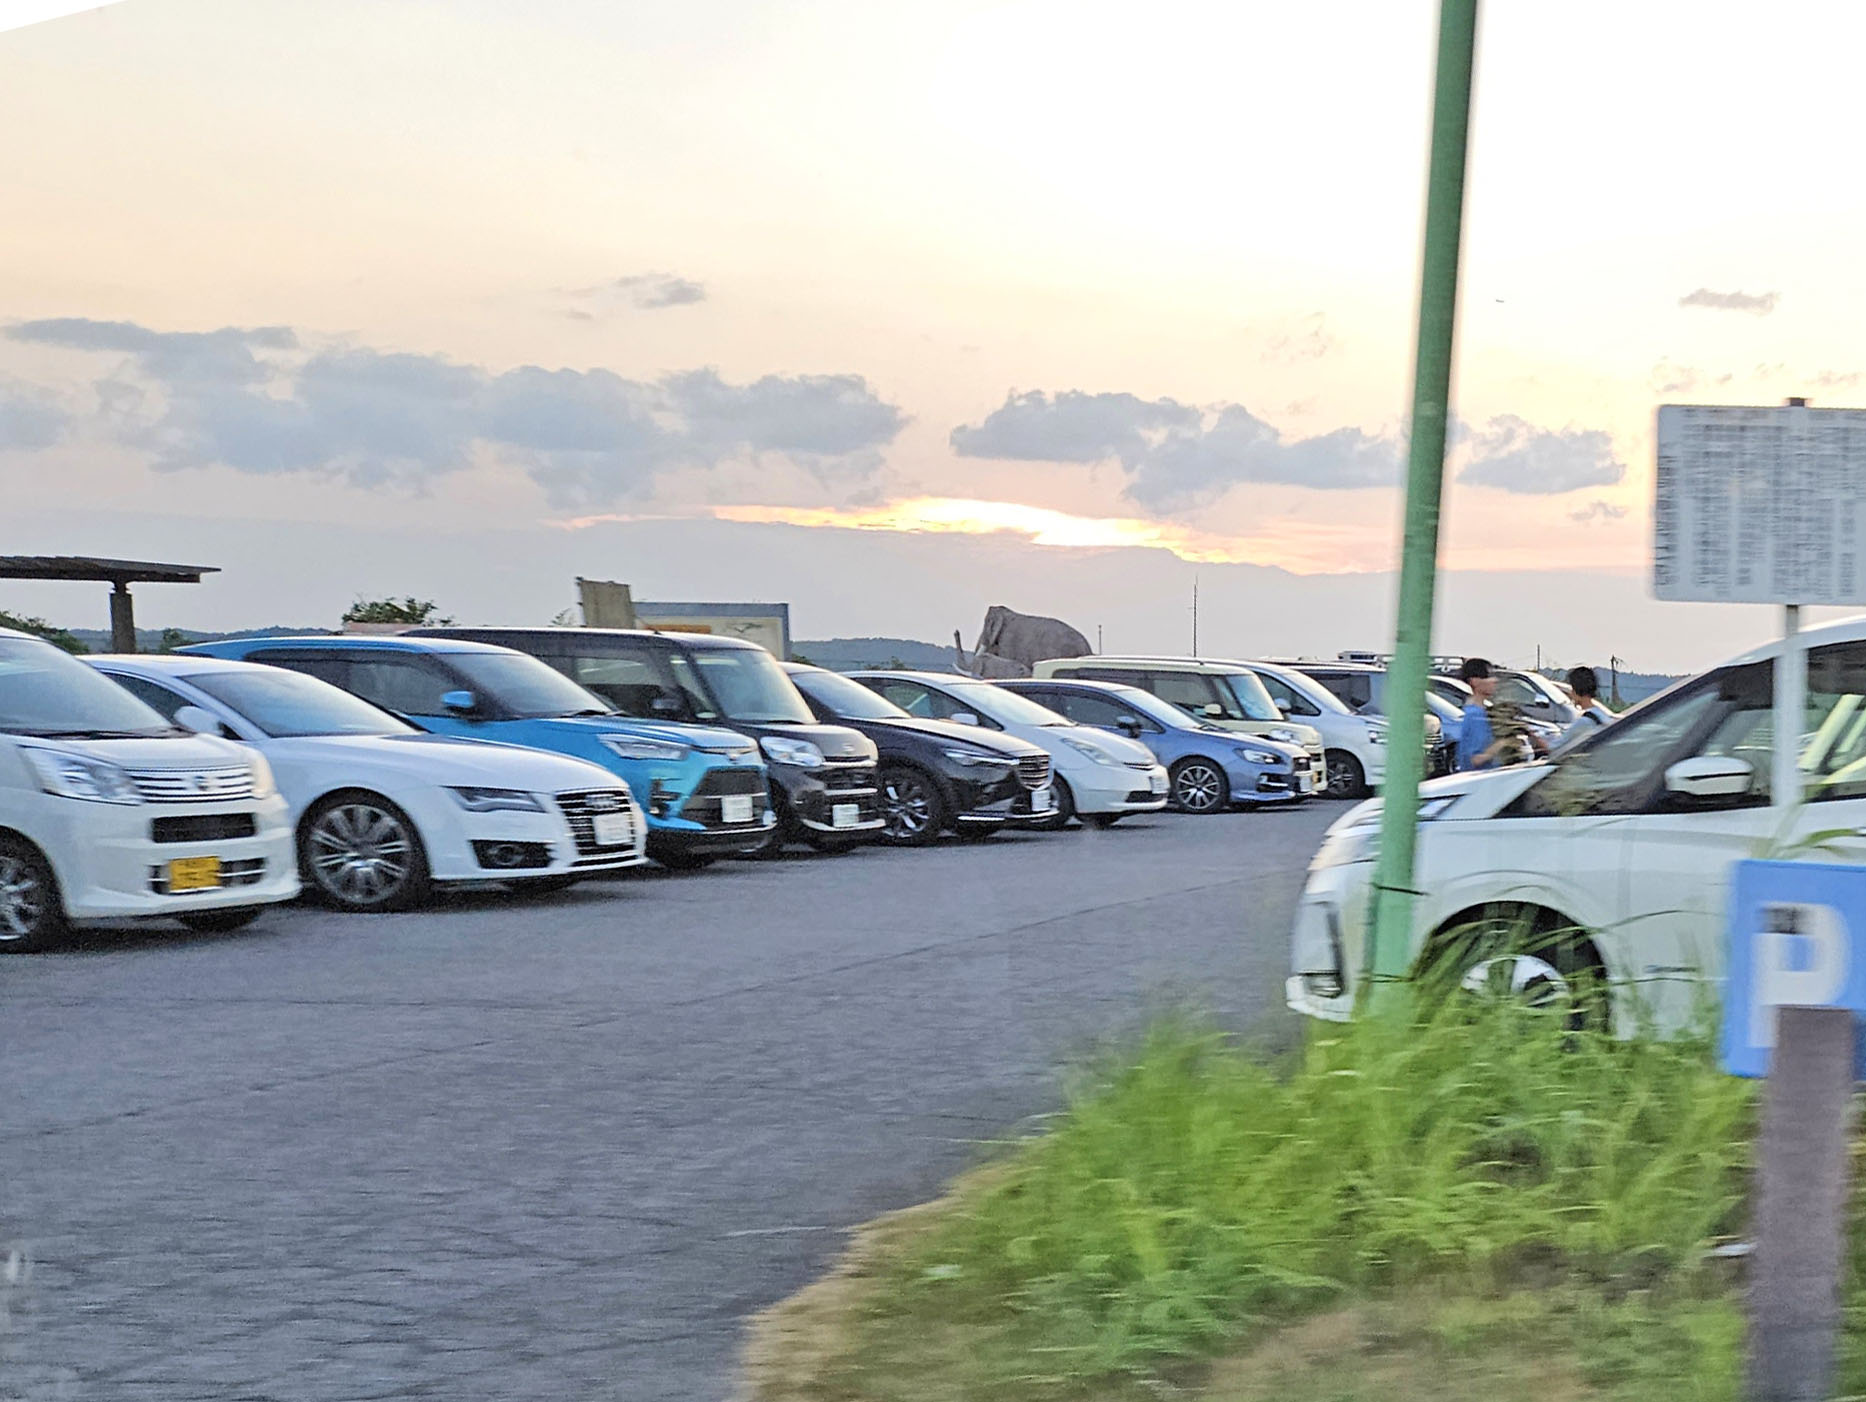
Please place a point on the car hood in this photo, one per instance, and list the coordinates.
(710, 738)
(441, 760)
(1007, 745)
(150, 752)
(835, 741)
(1126, 750)
(1481, 794)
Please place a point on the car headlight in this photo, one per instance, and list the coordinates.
(1094, 752)
(1253, 756)
(798, 752)
(1361, 841)
(264, 786)
(496, 800)
(1376, 734)
(1287, 737)
(70, 775)
(641, 747)
(978, 759)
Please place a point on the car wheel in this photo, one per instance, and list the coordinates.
(1346, 778)
(688, 861)
(1104, 821)
(1198, 786)
(359, 852)
(221, 922)
(912, 807)
(978, 832)
(1065, 804)
(832, 846)
(1525, 953)
(545, 885)
(31, 914)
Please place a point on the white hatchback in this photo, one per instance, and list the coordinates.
(107, 811)
(1619, 850)
(382, 811)
(1100, 776)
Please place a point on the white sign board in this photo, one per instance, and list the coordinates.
(1760, 506)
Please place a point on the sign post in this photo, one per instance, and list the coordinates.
(1795, 991)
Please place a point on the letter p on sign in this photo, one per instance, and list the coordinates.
(1801, 960)
(1792, 931)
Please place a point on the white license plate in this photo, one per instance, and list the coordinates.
(1305, 781)
(845, 815)
(735, 808)
(1042, 800)
(613, 829)
(1158, 782)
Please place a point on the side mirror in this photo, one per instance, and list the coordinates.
(1214, 710)
(666, 706)
(198, 720)
(1285, 708)
(1710, 776)
(460, 703)
(1129, 726)
(964, 718)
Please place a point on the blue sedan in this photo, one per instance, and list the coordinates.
(1210, 768)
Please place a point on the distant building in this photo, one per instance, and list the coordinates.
(768, 625)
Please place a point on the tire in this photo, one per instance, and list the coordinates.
(1346, 777)
(359, 852)
(912, 806)
(221, 922)
(545, 885)
(1530, 953)
(978, 832)
(1065, 803)
(687, 861)
(1198, 785)
(832, 846)
(1104, 821)
(32, 917)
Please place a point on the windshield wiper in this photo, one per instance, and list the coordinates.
(86, 733)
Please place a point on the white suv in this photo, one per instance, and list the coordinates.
(107, 811)
(1356, 745)
(1616, 855)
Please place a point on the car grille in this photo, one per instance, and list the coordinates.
(580, 810)
(240, 871)
(1145, 766)
(1034, 772)
(844, 779)
(193, 785)
(730, 781)
(202, 827)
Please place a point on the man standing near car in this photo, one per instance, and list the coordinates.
(1585, 686)
(1478, 748)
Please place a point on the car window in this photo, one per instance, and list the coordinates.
(1284, 694)
(699, 701)
(1192, 692)
(835, 697)
(911, 697)
(159, 698)
(1517, 691)
(636, 684)
(279, 702)
(1123, 676)
(1087, 709)
(1620, 770)
(1353, 688)
(400, 682)
(751, 687)
(325, 666)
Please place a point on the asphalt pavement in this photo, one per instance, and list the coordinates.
(562, 1147)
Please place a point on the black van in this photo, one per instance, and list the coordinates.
(822, 776)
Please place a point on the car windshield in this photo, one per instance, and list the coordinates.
(847, 699)
(1442, 708)
(1145, 703)
(524, 687)
(47, 692)
(1253, 702)
(751, 687)
(281, 703)
(1006, 707)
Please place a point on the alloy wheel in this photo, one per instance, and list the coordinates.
(1343, 775)
(1198, 787)
(907, 806)
(360, 854)
(23, 899)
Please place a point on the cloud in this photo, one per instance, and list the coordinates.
(1310, 342)
(256, 401)
(1597, 511)
(1757, 303)
(1837, 379)
(1668, 378)
(646, 292)
(1175, 456)
(29, 418)
(1514, 456)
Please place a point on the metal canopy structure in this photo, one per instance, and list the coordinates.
(118, 574)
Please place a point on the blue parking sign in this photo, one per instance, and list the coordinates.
(1796, 937)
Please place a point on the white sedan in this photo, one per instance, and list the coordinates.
(1099, 776)
(383, 811)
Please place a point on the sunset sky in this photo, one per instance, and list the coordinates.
(894, 310)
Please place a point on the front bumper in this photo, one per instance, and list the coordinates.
(512, 845)
(1324, 954)
(1263, 785)
(109, 867)
(833, 800)
(984, 802)
(1123, 790)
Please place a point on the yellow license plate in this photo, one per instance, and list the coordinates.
(194, 874)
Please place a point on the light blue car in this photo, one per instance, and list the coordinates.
(1209, 768)
(704, 789)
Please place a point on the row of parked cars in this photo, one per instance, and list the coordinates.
(208, 783)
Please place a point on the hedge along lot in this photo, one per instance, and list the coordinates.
(1482, 1202)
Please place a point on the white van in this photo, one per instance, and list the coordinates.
(109, 812)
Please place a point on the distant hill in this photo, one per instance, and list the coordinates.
(853, 654)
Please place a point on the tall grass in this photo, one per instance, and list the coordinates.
(1192, 1191)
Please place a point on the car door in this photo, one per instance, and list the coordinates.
(1102, 712)
(412, 685)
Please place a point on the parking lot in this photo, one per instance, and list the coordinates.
(562, 1147)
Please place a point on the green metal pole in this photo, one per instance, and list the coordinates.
(1389, 950)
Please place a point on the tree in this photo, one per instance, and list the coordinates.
(171, 639)
(39, 628)
(409, 610)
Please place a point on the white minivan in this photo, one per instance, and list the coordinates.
(107, 811)
(1616, 855)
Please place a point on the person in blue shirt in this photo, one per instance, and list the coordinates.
(1477, 747)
